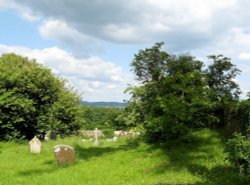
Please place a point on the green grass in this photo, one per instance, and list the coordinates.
(200, 161)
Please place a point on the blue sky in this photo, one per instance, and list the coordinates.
(17, 31)
(91, 43)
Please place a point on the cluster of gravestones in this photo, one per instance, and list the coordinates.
(63, 154)
(117, 134)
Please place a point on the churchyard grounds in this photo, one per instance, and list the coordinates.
(124, 162)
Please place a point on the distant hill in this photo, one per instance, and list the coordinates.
(105, 104)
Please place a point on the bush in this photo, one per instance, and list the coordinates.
(238, 149)
(34, 101)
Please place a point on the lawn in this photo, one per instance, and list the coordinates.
(197, 161)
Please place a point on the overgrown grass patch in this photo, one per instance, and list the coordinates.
(199, 160)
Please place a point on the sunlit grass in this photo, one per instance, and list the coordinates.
(198, 161)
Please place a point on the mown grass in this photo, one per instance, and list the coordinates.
(197, 161)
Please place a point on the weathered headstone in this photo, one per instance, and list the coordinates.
(35, 145)
(64, 154)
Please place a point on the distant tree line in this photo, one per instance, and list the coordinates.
(103, 118)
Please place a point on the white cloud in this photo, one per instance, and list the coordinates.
(99, 80)
(3, 4)
(78, 43)
(25, 12)
(28, 15)
(245, 56)
(192, 23)
(60, 30)
(121, 33)
(234, 44)
(201, 27)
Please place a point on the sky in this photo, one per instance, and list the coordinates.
(91, 43)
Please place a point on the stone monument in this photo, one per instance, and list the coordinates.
(35, 145)
(64, 154)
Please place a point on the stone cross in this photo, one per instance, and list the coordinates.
(96, 137)
(64, 154)
(35, 145)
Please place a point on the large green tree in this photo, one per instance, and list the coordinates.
(177, 93)
(172, 96)
(33, 101)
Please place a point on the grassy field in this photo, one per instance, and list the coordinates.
(200, 161)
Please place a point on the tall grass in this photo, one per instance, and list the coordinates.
(198, 160)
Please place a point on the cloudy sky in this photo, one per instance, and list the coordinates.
(92, 42)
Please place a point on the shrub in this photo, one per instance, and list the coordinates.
(34, 101)
(238, 149)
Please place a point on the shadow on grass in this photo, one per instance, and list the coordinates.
(88, 153)
(37, 171)
(219, 175)
(50, 166)
(185, 154)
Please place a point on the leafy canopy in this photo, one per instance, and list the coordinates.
(33, 101)
(176, 94)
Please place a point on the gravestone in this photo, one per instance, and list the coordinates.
(35, 145)
(64, 154)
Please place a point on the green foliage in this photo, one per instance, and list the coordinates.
(34, 101)
(243, 117)
(221, 74)
(171, 95)
(238, 150)
(149, 62)
(177, 94)
(103, 117)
